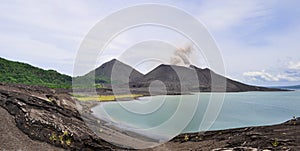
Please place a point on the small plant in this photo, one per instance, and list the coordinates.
(64, 138)
(65, 133)
(61, 139)
(186, 137)
(68, 141)
(53, 137)
(275, 143)
(51, 99)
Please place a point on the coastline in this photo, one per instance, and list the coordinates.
(179, 142)
(40, 112)
(112, 132)
(284, 136)
(229, 129)
(243, 138)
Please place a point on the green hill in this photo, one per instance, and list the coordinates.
(17, 72)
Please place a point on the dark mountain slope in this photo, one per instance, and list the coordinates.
(231, 85)
(175, 78)
(183, 79)
(113, 71)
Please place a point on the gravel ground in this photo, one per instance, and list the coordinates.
(12, 139)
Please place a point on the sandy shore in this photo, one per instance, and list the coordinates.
(112, 133)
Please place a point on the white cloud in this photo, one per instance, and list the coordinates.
(38, 53)
(284, 77)
(294, 65)
(45, 34)
(291, 73)
(254, 35)
(260, 75)
(48, 15)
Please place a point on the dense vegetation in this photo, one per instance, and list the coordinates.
(91, 78)
(16, 72)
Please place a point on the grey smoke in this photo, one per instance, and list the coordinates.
(181, 56)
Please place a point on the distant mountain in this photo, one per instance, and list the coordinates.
(112, 71)
(293, 87)
(231, 85)
(179, 78)
(17, 72)
(174, 78)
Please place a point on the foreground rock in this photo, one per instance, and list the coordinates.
(12, 138)
(284, 136)
(50, 117)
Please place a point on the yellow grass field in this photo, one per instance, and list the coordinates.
(103, 98)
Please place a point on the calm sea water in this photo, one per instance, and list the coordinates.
(170, 115)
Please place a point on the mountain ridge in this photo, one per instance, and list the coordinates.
(175, 78)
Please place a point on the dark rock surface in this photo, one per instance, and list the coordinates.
(50, 117)
(11, 138)
(121, 73)
(285, 136)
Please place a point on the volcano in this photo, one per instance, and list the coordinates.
(174, 78)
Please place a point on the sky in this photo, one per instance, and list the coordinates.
(258, 40)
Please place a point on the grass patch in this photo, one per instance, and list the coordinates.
(103, 98)
(64, 138)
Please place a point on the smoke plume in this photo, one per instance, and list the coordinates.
(181, 56)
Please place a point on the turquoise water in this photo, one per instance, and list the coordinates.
(167, 116)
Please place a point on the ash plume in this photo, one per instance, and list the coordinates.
(181, 56)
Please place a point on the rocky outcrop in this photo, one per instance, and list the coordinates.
(285, 136)
(48, 116)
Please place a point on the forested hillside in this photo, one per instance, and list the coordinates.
(17, 72)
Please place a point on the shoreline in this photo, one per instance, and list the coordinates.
(135, 96)
(113, 133)
(41, 113)
(192, 135)
(211, 137)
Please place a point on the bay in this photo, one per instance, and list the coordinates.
(167, 116)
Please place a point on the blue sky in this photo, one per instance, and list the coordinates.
(257, 39)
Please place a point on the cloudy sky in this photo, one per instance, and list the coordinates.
(258, 40)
